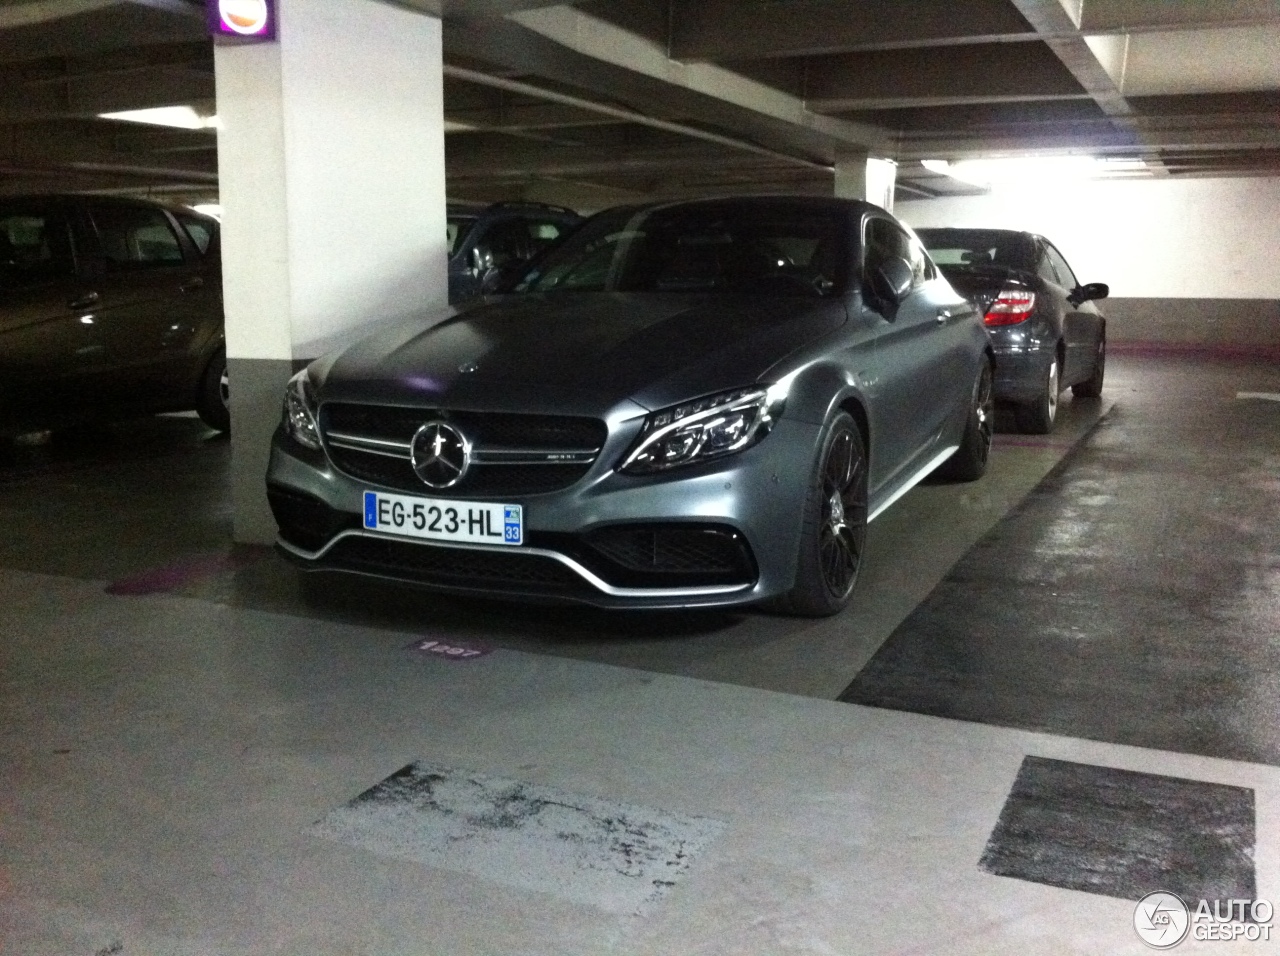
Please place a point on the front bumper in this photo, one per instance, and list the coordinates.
(720, 533)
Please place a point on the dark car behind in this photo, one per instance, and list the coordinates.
(1043, 323)
(108, 307)
(492, 241)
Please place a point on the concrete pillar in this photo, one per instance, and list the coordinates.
(858, 176)
(331, 175)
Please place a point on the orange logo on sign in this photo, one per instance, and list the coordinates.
(244, 16)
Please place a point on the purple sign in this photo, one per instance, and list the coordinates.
(243, 21)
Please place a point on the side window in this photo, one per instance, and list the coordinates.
(136, 238)
(543, 233)
(200, 231)
(34, 248)
(1068, 277)
(921, 265)
(507, 242)
(1044, 269)
(884, 239)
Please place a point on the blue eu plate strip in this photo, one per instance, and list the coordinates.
(370, 510)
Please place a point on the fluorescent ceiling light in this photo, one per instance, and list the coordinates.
(209, 209)
(1030, 171)
(181, 117)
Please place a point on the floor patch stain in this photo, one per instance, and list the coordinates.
(616, 857)
(1124, 834)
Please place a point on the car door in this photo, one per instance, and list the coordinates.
(49, 341)
(152, 298)
(914, 389)
(1081, 323)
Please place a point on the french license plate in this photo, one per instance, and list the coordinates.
(471, 522)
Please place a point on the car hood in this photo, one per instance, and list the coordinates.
(577, 352)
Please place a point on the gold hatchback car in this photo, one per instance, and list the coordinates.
(109, 307)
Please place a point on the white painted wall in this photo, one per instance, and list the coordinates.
(331, 171)
(1158, 238)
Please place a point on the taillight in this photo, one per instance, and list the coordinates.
(1011, 307)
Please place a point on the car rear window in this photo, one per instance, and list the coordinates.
(977, 247)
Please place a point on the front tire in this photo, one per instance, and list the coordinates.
(1037, 417)
(213, 402)
(834, 530)
(969, 463)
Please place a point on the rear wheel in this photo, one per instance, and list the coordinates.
(1037, 416)
(969, 463)
(213, 402)
(1091, 387)
(834, 530)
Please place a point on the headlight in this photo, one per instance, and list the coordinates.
(706, 428)
(300, 412)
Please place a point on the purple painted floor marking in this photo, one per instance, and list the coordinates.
(173, 576)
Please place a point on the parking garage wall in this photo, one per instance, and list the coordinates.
(1191, 263)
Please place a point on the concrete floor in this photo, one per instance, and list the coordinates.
(199, 756)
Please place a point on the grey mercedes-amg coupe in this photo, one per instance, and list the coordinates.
(688, 404)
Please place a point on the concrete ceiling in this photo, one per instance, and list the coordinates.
(601, 101)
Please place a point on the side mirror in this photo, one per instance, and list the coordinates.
(890, 280)
(1085, 293)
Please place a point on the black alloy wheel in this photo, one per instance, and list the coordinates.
(834, 534)
(969, 463)
(1091, 387)
(213, 403)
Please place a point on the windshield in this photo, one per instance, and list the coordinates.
(719, 248)
(458, 227)
(978, 247)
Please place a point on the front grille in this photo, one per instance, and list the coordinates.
(672, 555)
(457, 567)
(674, 550)
(488, 432)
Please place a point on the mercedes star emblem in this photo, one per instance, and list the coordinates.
(440, 454)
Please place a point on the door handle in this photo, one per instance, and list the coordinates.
(84, 302)
(195, 282)
(943, 315)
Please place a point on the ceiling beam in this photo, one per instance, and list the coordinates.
(987, 73)
(507, 160)
(87, 96)
(46, 146)
(617, 113)
(604, 42)
(36, 12)
(1133, 16)
(705, 31)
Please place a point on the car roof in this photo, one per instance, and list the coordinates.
(483, 209)
(74, 198)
